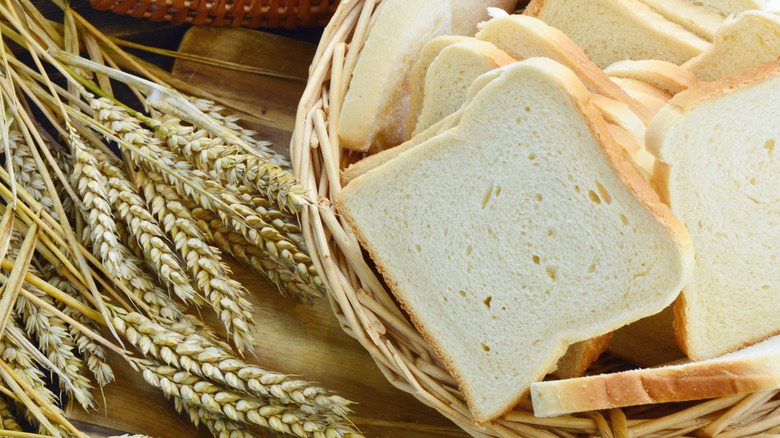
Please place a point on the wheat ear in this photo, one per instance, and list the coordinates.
(231, 122)
(227, 296)
(141, 224)
(116, 258)
(53, 337)
(199, 356)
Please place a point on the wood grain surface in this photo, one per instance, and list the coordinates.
(292, 337)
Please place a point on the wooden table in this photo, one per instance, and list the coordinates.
(292, 337)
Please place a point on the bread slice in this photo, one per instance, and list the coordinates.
(522, 37)
(692, 17)
(718, 168)
(755, 368)
(741, 43)
(449, 76)
(428, 53)
(648, 342)
(517, 233)
(375, 160)
(664, 75)
(634, 85)
(730, 7)
(628, 131)
(579, 356)
(375, 107)
(614, 30)
(467, 13)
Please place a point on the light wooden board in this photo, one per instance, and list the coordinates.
(292, 337)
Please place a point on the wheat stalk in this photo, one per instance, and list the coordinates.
(211, 275)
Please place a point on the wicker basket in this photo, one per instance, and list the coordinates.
(288, 14)
(367, 312)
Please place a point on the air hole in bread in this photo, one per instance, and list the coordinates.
(488, 195)
(469, 249)
(462, 293)
(623, 219)
(538, 197)
(592, 268)
(487, 301)
(418, 248)
(535, 259)
(485, 347)
(552, 272)
(528, 109)
(770, 145)
(594, 197)
(577, 189)
(532, 156)
(550, 232)
(498, 191)
(604, 193)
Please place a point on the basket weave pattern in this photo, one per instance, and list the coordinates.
(367, 312)
(288, 14)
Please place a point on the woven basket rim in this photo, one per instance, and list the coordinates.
(367, 312)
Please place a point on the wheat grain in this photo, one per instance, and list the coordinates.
(116, 258)
(26, 170)
(227, 297)
(7, 420)
(132, 209)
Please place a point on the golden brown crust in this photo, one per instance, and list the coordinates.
(664, 75)
(579, 356)
(692, 381)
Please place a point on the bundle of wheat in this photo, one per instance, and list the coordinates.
(111, 217)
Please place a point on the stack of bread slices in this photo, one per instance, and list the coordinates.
(588, 175)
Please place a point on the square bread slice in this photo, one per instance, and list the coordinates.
(614, 30)
(755, 368)
(745, 41)
(518, 232)
(718, 168)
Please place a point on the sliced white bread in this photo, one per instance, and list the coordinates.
(467, 13)
(428, 53)
(648, 342)
(743, 42)
(376, 104)
(755, 368)
(692, 17)
(631, 85)
(579, 356)
(664, 75)
(372, 161)
(522, 37)
(450, 75)
(614, 30)
(629, 132)
(730, 7)
(517, 233)
(718, 168)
